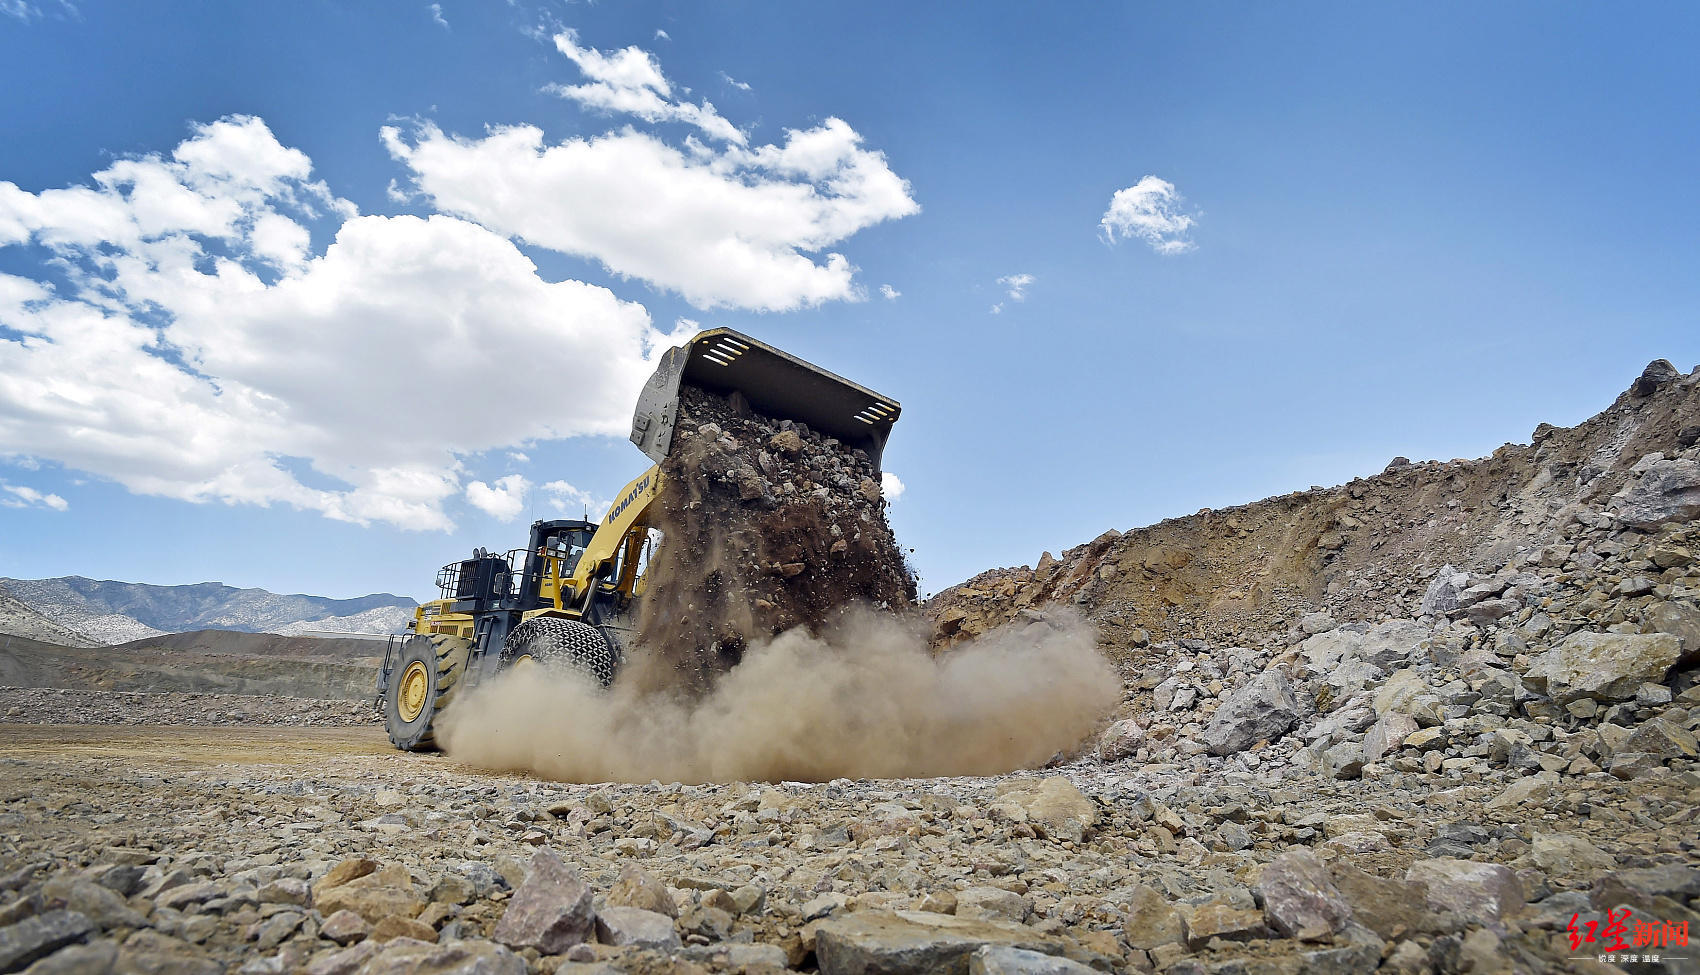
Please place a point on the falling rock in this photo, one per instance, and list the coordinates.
(1602, 666)
(1298, 895)
(551, 911)
(1669, 490)
(1151, 920)
(1479, 891)
(1120, 741)
(1052, 806)
(1004, 960)
(1568, 856)
(1263, 709)
(34, 937)
(637, 927)
(918, 942)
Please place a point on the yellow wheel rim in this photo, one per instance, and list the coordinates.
(410, 693)
(522, 661)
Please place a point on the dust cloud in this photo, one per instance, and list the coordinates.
(865, 699)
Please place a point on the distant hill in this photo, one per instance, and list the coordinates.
(72, 609)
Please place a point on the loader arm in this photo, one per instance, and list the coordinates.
(621, 529)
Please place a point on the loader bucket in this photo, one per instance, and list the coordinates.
(776, 384)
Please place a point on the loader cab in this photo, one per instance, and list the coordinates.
(551, 555)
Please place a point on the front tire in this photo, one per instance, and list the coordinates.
(423, 683)
(561, 645)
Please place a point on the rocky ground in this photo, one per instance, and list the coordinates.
(1473, 755)
(52, 706)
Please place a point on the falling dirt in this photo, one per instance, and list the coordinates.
(767, 526)
(777, 642)
(864, 698)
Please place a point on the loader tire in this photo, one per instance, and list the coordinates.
(425, 679)
(561, 646)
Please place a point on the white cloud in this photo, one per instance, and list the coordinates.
(437, 16)
(503, 500)
(890, 486)
(740, 85)
(203, 352)
(1151, 211)
(28, 497)
(519, 457)
(724, 229)
(1017, 285)
(20, 10)
(662, 35)
(890, 293)
(564, 499)
(629, 82)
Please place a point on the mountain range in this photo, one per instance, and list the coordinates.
(69, 609)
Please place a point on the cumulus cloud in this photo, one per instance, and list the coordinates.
(199, 348)
(1017, 285)
(437, 16)
(19, 496)
(890, 486)
(1149, 210)
(503, 500)
(629, 82)
(564, 499)
(890, 293)
(662, 35)
(725, 229)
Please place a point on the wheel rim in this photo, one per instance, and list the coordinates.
(410, 694)
(522, 661)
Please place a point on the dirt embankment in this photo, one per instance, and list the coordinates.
(1361, 550)
(205, 662)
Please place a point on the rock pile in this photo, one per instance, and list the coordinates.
(768, 525)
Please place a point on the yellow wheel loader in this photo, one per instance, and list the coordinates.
(568, 600)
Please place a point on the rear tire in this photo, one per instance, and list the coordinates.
(423, 683)
(560, 645)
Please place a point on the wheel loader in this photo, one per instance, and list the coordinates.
(568, 601)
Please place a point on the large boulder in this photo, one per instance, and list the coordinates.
(35, 937)
(1052, 806)
(405, 957)
(1393, 643)
(373, 894)
(1152, 920)
(919, 942)
(551, 911)
(1480, 892)
(1263, 709)
(1444, 592)
(1298, 895)
(1669, 490)
(635, 926)
(1120, 741)
(1602, 666)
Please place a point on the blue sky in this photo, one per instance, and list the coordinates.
(1370, 230)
